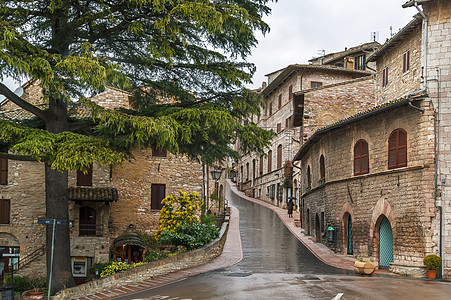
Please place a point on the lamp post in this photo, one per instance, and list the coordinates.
(216, 174)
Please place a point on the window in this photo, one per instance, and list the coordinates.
(322, 170)
(315, 84)
(279, 127)
(385, 77)
(158, 194)
(397, 149)
(359, 62)
(309, 179)
(280, 102)
(279, 157)
(289, 122)
(270, 109)
(84, 179)
(361, 158)
(247, 171)
(253, 169)
(3, 170)
(269, 161)
(87, 226)
(261, 165)
(290, 92)
(5, 206)
(406, 61)
(158, 152)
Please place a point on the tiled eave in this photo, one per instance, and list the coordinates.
(288, 71)
(93, 194)
(397, 38)
(359, 116)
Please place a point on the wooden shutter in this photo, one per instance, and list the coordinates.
(322, 169)
(3, 171)
(361, 157)
(397, 149)
(158, 194)
(280, 102)
(279, 127)
(290, 92)
(279, 157)
(298, 110)
(261, 165)
(84, 179)
(4, 211)
(269, 161)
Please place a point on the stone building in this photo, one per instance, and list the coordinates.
(298, 99)
(108, 206)
(385, 188)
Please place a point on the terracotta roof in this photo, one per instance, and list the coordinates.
(84, 193)
(331, 57)
(397, 38)
(351, 119)
(76, 110)
(284, 73)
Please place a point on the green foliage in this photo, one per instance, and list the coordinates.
(100, 266)
(24, 283)
(432, 262)
(115, 267)
(153, 255)
(208, 220)
(191, 236)
(150, 240)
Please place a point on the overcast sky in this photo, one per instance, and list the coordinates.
(300, 28)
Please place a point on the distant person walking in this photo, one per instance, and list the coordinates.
(290, 206)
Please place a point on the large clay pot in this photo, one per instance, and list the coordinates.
(431, 274)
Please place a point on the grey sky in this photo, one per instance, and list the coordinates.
(299, 28)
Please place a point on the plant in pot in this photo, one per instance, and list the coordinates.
(432, 263)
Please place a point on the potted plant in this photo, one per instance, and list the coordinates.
(432, 263)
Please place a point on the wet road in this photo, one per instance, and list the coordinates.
(277, 266)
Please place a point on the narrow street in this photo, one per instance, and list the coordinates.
(277, 266)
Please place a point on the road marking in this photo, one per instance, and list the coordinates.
(338, 297)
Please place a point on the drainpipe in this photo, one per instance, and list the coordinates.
(426, 23)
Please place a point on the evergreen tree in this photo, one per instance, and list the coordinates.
(191, 51)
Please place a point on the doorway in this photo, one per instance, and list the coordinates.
(350, 248)
(385, 244)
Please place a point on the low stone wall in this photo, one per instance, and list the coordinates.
(412, 271)
(164, 266)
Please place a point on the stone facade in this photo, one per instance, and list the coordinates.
(129, 213)
(405, 196)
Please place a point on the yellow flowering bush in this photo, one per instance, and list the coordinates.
(183, 209)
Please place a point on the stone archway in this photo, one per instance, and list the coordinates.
(382, 212)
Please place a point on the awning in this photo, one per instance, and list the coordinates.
(83, 193)
(129, 239)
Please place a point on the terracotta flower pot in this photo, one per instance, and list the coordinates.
(432, 274)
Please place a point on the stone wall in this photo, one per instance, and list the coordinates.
(157, 268)
(404, 195)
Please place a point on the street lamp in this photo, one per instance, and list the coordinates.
(216, 174)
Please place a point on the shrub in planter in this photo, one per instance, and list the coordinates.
(153, 255)
(432, 262)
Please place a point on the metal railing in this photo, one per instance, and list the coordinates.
(90, 230)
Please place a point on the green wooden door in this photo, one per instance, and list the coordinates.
(385, 244)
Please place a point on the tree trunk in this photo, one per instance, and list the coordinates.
(57, 208)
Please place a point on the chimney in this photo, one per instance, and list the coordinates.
(263, 84)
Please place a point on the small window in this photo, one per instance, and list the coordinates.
(280, 102)
(397, 149)
(315, 84)
(361, 165)
(270, 109)
(5, 208)
(253, 169)
(247, 171)
(289, 122)
(3, 171)
(322, 170)
(385, 77)
(359, 62)
(269, 161)
(158, 194)
(309, 179)
(84, 179)
(261, 165)
(279, 127)
(279, 157)
(87, 225)
(158, 152)
(290, 92)
(406, 61)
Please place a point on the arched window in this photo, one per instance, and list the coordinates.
(397, 149)
(247, 171)
(279, 157)
(269, 161)
(361, 157)
(309, 179)
(87, 226)
(322, 170)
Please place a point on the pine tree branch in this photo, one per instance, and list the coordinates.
(80, 125)
(5, 91)
(20, 157)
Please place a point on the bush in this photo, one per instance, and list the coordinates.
(150, 240)
(153, 255)
(191, 236)
(114, 267)
(24, 283)
(99, 266)
(432, 262)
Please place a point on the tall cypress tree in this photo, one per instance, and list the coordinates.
(190, 51)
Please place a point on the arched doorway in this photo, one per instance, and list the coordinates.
(317, 229)
(385, 244)
(348, 234)
(87, 225)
